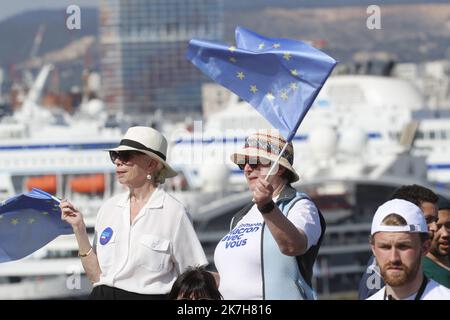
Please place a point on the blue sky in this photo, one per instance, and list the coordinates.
(9, 8)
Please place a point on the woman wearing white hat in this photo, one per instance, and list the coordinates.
(144, 238)
(273, 242)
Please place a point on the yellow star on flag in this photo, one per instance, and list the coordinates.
(261, 46)
(293, 86)
(253, 89)
(233, 59)
(232, 48)
(294, 72)
(270, 96)
(14, 221)
(240, 75)
(276, 45)
(31, 220)
(283, 95)
(45, 213)
(287, 56)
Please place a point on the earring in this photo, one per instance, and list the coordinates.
(149, 177)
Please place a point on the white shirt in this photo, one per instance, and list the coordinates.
(433, 291)
(238, 255)
(147, 256)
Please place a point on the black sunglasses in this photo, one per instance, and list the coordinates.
(123, 156)
(254, 164)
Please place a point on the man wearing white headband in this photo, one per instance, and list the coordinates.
(399, 239)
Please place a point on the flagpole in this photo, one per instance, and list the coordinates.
(276, 162)
(56, 199)
(46, 194)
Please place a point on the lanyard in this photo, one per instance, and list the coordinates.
(419, 293)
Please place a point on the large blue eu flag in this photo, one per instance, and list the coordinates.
(28, 222)
(279, 77)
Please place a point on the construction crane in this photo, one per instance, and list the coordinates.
(28, 77)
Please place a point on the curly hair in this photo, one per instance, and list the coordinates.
(415, 194)
(195, 283)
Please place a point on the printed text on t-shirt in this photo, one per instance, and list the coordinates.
(238, 236)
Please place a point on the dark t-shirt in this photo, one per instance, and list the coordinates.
(371, 280)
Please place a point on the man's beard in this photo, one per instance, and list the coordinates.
(401, 277)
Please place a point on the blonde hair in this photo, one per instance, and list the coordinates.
(160, 173)
(159, 176)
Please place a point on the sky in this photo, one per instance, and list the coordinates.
(9, 8)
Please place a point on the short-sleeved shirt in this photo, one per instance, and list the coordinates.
(147, 256)
(433, 291)
(238, 255)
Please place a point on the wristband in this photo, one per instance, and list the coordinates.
(267, 208)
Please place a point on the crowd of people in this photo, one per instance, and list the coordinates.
(145, 246)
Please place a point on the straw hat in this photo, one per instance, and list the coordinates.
(149, 141)
(267, 144)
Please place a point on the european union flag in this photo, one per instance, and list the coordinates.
(28, 222)
(279, 77)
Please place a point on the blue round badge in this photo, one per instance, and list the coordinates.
(106, 236)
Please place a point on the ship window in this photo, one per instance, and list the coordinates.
(432, 135)
(419, 135)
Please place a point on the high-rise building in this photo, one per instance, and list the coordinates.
(143, 46)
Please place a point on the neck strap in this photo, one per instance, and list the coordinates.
(419, 293)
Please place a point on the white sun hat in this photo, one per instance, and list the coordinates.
(149, 141)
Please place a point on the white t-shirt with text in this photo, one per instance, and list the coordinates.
(238, 255)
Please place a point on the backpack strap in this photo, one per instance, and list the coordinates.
(240, 214)
(306, 261)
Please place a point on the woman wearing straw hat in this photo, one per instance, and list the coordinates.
(143, 238)
(273, 242)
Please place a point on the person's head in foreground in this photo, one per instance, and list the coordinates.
(195, 284)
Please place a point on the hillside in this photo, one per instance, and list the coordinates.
(17, 33)
(410, 32)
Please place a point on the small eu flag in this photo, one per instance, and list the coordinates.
(279, 77)
(28, 222)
